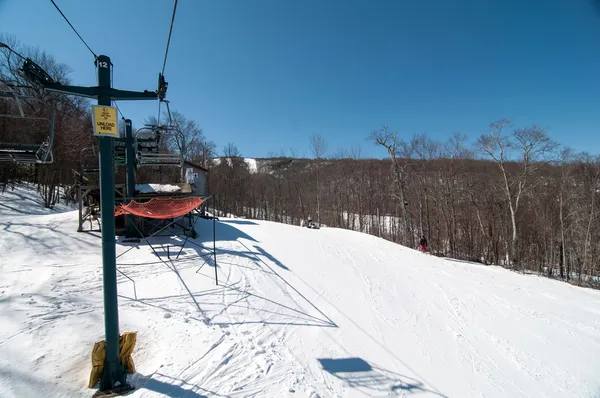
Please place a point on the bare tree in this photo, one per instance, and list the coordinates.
(426, 150)
(356, 152)
(565, 159)
(590, 167)
(399, 151)
(318, 145)
(185, 139)
(231, 151)
(201, 151)
(530, 145)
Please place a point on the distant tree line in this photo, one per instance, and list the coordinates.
(515, 198)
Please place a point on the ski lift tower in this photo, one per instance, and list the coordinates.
(106, 128)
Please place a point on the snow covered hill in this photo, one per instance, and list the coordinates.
(297, 313)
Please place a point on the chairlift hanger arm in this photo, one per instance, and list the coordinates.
(95, 92)
(15, 96)
(36, 74)
(19, 99)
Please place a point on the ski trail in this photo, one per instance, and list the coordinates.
(297, 313)
(250, 351)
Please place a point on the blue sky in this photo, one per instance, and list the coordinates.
(266, 74)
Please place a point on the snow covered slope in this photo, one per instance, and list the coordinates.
(297, 313)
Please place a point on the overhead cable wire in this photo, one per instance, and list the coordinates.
(74, 30)
(118, 109)
(166, 55)
(2, 45)
(169, 39)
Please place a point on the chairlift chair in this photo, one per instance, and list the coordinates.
(26, 153)
(147, 147)
(147, 139)
(84, 156)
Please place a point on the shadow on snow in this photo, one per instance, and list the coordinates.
(216, 302)
(170, 386)
(360, 374)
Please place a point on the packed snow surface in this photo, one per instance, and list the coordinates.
(157, 188)
(297, 313)
(252, 166)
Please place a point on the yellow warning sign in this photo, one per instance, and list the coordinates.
(105, 121)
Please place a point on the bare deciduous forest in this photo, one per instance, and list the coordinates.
(515, 198)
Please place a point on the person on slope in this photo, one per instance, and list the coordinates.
(423, 244)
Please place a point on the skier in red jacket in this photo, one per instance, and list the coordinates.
(423, 244)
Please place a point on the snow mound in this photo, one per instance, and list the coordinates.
(157, 188)
(297, 312)
(252, 166)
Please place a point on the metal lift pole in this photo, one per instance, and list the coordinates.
(113, 378)
(130, 166)
(114, 373)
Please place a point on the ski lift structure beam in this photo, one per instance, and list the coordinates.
(27, 153)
